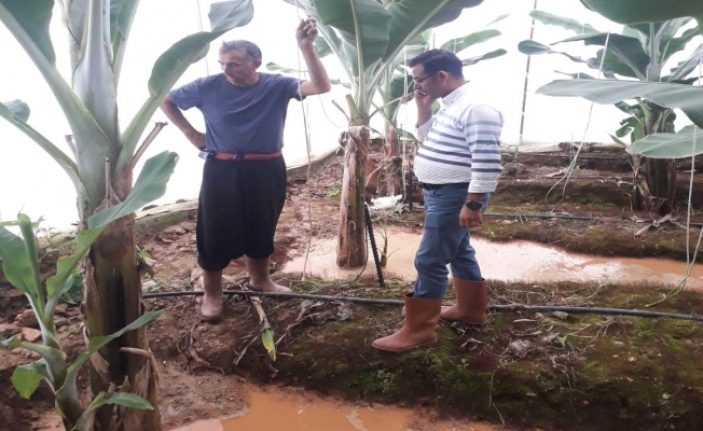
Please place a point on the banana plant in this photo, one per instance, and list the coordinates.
(367, 36)
(638, 56)
(20, 264)
(686, 142)
(101, 164)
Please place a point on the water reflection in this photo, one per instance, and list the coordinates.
(520, 261)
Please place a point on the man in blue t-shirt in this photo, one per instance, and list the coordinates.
(244, 178)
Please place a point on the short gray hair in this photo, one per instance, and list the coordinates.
(250, 49)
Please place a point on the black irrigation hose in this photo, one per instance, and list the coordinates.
(554, 216)
(374, 249)
(395, 302)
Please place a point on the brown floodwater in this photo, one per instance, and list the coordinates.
(286, 409)
(517, 261)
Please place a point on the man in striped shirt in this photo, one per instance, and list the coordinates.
(458, 165)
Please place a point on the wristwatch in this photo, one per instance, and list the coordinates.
(473, 205)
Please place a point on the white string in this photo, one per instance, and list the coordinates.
(403, 165)
(572, 166)
(526, 81)
(200, 28)
(308, 149)
(690, 261)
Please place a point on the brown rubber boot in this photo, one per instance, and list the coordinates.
(471, 301)
(421, 317)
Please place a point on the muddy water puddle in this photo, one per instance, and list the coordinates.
(272, 408)
(287, 409)
(517, 261)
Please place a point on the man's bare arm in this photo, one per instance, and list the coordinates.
(319, 82)
(176, 116)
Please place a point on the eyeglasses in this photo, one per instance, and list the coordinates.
(423, 79)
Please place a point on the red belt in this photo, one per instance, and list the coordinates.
(245, 156)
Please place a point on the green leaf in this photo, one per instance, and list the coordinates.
(579, 75)
(686, 67)
(362, 27)
(612, 65)
(123, 399)
(636, 11)
(30, 245)
(28, 21)
(19, 265)
(531, 47)
(72, 291)
(355, 30)
(26, 379)
(275, 67)
(497, 19)
(150, 185)
(411, 17)
(68, 391)
(667, 42)
(15, 110)
(226, 15)
(122, 13)
(34, 17)
(269, 345)
(53, 367)
(563, 22)
(618, 141)
(129, 400)
(685, 97)
(487, 56)
(66, 266)
(95, 344)
(627, 49)
(687, 143)
(16, 113)
(461, 43)
(171, 64)
(93, 79)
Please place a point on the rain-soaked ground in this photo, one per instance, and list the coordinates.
(292, 410)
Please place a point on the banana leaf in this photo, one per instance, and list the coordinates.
(687, 143)
(685, 97)
(637, 11)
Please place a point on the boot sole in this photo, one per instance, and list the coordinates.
(404, 349)
(467, 322)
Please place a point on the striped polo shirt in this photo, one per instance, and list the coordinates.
(461, 145)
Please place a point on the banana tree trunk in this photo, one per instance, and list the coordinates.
(661, 179)
(392, 142)
(659, 174)
(351, 245)
(112, 299)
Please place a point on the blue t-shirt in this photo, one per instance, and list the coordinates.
(240, 120)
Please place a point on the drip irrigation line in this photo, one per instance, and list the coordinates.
(374, 249)
(552, 216)
(398, 303)
(543, 216)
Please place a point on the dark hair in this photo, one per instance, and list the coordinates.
(436, 60)
(250, 49)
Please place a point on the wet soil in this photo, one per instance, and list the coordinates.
(526, 369)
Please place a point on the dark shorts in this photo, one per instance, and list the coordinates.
(238, 209)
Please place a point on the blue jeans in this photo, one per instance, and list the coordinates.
(444, 242)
